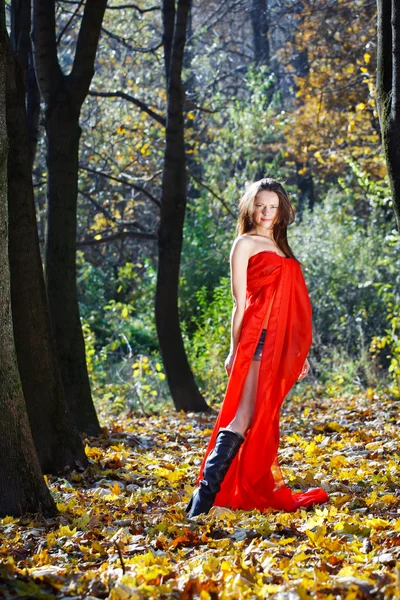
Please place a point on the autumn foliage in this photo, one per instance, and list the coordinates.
(122, 533)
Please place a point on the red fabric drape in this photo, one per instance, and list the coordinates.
(254, 479)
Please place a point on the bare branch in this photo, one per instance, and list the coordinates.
(72, 17)
(118, 94)
(133, 186)
(119, 7)
(117, 236)
(86, 47)
(126, 44)
(109, 216)
(134, 6)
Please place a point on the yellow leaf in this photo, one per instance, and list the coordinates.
(94, 453)
(335, 426)
(8, 520)
(367, 57)
(338, 461)
(377, 523)
(389, 499)
(319, 158)
(64, 530)
(397, 525)
(317, 536)
(300, 557)
(115, 489)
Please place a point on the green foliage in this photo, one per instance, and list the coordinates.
(386, 348)
(121, 344)
(345, 258)
(208, 347)
(128, 381)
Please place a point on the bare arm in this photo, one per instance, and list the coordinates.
(239, 258)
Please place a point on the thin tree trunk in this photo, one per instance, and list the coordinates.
(57, 441)
(184, 391)
(260, 26)
(64, 96)
(22, 487)
(388, 93)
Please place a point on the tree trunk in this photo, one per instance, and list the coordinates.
(32, 108)
(57, 441)
(63, 133)
(22, 487)
(64, 96)
(260, 27)
(184, 391)
(388, 93)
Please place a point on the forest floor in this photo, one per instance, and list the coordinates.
(122, 534)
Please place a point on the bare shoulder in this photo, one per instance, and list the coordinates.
(242, 246)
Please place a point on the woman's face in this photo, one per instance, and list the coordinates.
(266, 206)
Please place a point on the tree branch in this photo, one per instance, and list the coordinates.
(72, 17)
(118, 94)
(86, 47)
(134, 6)
(119, 7)
(44, 47)
(109, 216)
(168, 15)
(126, 44)
(117, 236)
(134, 186)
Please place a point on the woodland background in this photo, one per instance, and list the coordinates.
(298, 104)
(128, 133)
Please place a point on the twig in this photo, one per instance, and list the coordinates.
(120, 557)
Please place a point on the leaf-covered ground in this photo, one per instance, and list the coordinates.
(122, 532)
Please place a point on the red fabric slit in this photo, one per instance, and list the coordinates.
(254, 479)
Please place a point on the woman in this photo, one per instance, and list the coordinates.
(271, 333)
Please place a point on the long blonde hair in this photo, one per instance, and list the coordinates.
(286, 212)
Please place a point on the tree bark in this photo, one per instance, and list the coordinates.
(22, 46)
(184, 391)
(57, 441)
(388, 93)
(22, 487)
(64, 96)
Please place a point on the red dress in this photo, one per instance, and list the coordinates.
(254, 479)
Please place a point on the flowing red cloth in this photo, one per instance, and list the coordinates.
(254, 479)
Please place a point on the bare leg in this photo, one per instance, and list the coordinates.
(244, 414)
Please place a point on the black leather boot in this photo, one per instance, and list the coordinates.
(226, 447)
